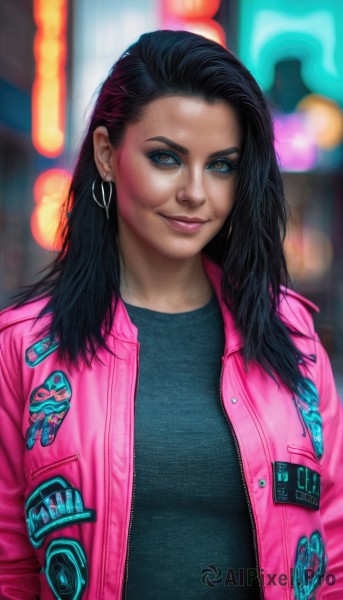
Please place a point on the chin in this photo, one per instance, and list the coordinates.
(182, 253)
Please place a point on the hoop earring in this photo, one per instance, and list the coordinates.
(103, 204)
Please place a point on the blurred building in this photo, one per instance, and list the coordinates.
(16, 156)
(295, 51)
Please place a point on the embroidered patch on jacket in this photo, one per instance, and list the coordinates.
(36, 353)
(307, 403)
(310, 565)
(296, 484)
(66, 569)
(49, 405)
(52, 505)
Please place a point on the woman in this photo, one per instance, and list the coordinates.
(170, 425)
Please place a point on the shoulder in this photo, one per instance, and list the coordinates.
(295, 297)
(24, 337)
(296, 310)
(14, 322)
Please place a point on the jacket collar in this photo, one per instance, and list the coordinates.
(124, 328)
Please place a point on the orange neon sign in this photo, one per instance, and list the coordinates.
(209, 29)
(195, 16)
(49, 87)
(49, 192)
(191, 9)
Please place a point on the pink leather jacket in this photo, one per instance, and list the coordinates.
(67, 463)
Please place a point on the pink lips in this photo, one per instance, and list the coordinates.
(186, 226)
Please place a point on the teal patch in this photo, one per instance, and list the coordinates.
(49, 405)
(310, 565)
(53, 505)
(36, 353)
(296, 484)
(307, 403)
(66, 569)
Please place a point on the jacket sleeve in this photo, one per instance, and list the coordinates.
(19, 567)
(332, 476)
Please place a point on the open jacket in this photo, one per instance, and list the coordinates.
(67, 462)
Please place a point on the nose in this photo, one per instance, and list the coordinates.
(192, 190)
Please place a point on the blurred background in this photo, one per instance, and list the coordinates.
(55, 53)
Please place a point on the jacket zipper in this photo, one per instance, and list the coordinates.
(133, 485)
(253, 526)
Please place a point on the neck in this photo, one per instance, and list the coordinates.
(163, 283)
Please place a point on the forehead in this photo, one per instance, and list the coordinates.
(186, 118)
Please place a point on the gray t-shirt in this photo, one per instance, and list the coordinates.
(190, 515)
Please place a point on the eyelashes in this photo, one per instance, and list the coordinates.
(227, 166)
(156, 154)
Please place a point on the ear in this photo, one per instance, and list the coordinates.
(103, 153)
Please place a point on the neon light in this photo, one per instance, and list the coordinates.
(49, 87)
(193, 15)
(190, 9)
(50, 191)
(324, 119)
(278, 33)
(206, 27)
(294, 144)
(271, 31)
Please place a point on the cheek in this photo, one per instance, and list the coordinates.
(223, 198)
(142, 184)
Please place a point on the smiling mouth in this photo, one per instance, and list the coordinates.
(183, 226)
(185, 219)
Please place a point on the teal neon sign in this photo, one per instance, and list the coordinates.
(311, 31)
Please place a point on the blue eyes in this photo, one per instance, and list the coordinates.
(164, 158)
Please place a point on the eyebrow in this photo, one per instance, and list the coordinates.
(183, 150)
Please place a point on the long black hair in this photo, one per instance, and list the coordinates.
(82, 284)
